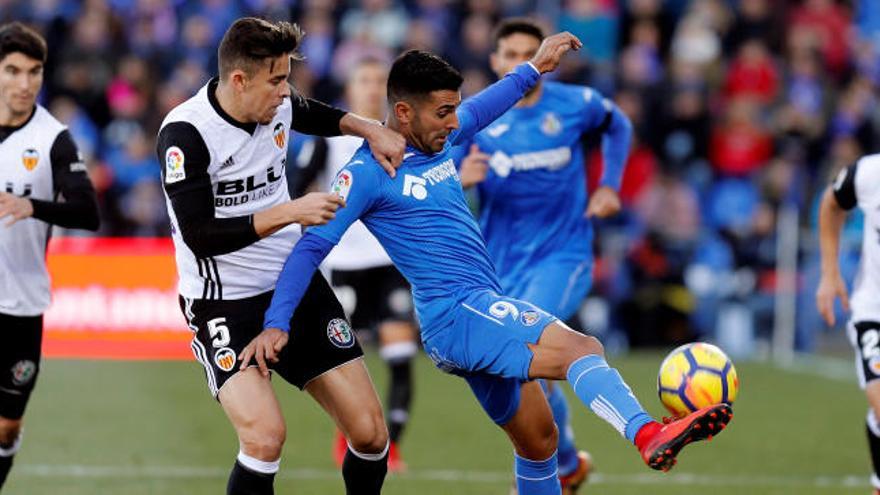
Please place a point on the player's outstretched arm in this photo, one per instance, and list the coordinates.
(831, 284)
(319, 119)
(483, 108)
(292, 284)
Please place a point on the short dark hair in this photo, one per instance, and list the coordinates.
(16, 37)
(249, 41)
(417, 73)
(515, 25)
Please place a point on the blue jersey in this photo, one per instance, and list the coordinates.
(422, 220)
(420, 217)
(534, 199)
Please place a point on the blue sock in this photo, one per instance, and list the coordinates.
(566, 451)
(536, 477)
(603, 390)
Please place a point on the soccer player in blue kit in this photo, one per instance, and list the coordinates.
(498, 344)
(528, 167)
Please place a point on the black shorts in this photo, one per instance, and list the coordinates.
(377, 295)
(320, 336)
(865, 339)
(19, 362)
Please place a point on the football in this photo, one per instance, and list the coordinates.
(694, 376)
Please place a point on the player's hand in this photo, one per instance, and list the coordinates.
(16, 207)
(552, 49)
(316, 208)
(830, 288)
(264, 347)
(387, 147)
(604, 202)
(474, 167)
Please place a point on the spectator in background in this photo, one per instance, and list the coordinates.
(638, 15)
(317, 47)
(752, 73)
(683, 130)
(755, 19)
(198, 42)
(853, 116)
(827, 25)
(740, 144)
(86, 62)
(380, 22)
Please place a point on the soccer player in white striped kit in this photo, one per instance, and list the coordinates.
(233, 224)
(38, 163)
(856, 186)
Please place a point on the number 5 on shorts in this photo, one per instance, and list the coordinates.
(219, 332)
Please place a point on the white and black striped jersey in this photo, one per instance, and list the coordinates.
(859, 185)
(217, 173)
(39, 160)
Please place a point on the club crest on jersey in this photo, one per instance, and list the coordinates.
(278, 135)
(874, 365)
(340, 334)
(23, 372)
(529, 318)
(225, 359)
(551, 125)
(29, 158)
(174, 171)
(342, 184)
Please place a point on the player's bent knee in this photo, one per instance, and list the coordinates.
(369, 436)
(9, 430)
(543, 444)
(263, 443)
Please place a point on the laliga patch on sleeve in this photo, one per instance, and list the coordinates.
(174, 171)
(342, 184)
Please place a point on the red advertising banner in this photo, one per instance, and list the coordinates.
(114, 298)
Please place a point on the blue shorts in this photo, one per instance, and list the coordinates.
(558, 285)
(487, 344)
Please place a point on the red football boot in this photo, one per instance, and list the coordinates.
(395, 462)
(659, 450)
(340, 447)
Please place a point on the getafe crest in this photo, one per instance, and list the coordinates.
(29, 158)
(529, 317)
(551, 125)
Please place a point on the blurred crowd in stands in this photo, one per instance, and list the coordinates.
(741, 109)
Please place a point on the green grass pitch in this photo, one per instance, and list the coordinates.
(137, 428)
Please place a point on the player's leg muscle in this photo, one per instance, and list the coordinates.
(532, 430)
(252, 408)
(348, 396)
(558, 347)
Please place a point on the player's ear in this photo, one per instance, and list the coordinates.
(238, 80)
(403, 112)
